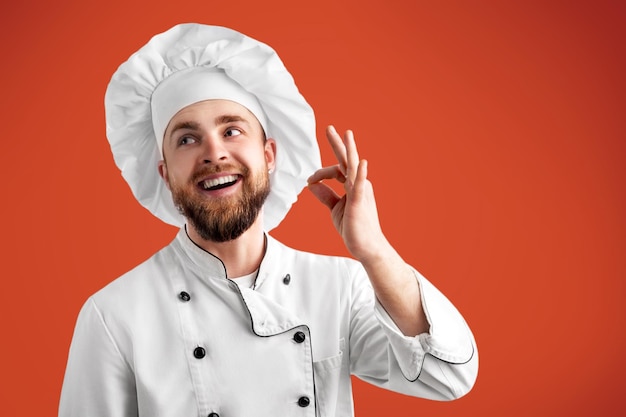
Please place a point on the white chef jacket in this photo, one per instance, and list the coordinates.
(175, 337)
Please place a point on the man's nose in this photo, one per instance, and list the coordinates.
(213, 150)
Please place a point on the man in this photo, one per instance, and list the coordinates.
(226, 321)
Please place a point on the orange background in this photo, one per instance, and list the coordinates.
(495, 133)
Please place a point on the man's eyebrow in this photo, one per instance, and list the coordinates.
(185, 125)
(229, 118)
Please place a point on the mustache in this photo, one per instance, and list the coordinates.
(205, 171)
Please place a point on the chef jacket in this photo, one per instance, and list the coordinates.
(176, 337)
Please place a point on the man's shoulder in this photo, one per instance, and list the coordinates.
(283, 253)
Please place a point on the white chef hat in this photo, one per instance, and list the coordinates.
(191, 63)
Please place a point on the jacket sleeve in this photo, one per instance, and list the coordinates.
(441, 364)
(98, 380)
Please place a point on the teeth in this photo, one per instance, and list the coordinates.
(218, 181)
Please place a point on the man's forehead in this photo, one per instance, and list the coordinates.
(215, 107)
(214, 111)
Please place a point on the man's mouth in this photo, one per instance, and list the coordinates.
(219, 183)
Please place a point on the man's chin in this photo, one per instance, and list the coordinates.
(221, 207)
(223, 226)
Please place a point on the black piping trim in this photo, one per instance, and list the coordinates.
(277, 334)
(222, 262)
(250, 315)
(442, 360)
(252, 320)
(258, 270)
(206, 251)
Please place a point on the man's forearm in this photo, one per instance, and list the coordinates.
(397, 290)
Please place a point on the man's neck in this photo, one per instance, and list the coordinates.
(241, 256)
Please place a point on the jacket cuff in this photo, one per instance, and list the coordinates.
(448, 339)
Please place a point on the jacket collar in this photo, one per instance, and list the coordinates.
(200, 261)
(267, 316)
(208, 264)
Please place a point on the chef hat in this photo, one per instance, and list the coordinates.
(191, 63)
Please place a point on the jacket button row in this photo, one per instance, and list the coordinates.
(184, 296)
(304, 401)
(299, 337)
(287, 279)
(199, 352)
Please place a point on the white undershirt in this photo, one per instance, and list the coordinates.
(246, 281)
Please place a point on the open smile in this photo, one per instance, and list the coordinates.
(218, 183)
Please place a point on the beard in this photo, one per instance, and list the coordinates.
(224, 218)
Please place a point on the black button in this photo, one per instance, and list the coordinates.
(299, 337)
(199, 352)
(184, 296)
(213, 415)
(287, 279)
(304, 401)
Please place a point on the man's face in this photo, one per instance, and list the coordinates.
(216, 164)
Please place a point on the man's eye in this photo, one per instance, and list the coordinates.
(232, 132)
(186, 140)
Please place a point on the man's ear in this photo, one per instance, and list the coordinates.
(162, 167)
(270, 153)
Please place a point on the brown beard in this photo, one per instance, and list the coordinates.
(225, 218)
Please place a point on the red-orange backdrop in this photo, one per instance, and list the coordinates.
(495, 133)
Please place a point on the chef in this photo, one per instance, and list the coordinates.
(212, 135)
